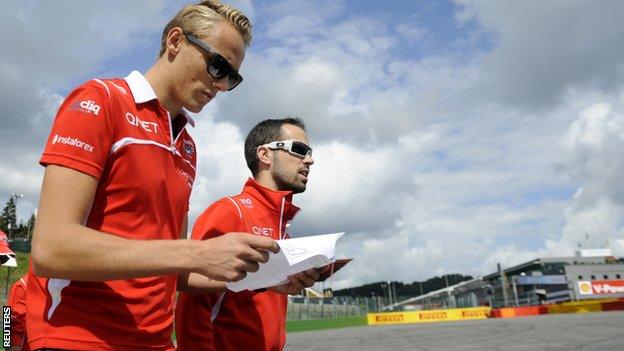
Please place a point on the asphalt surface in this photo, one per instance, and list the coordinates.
(562, 332)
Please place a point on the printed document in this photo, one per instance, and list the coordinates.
(295, 255)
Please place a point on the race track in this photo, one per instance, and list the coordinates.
(561, 332)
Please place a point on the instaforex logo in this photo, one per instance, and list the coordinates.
(88, 106)
(73, 142)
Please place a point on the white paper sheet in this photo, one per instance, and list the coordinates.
(295, 255)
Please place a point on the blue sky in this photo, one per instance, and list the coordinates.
(448, 135)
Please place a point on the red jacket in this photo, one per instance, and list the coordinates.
(246, 320)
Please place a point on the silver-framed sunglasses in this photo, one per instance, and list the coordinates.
(294, 147)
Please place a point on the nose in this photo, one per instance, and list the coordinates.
(308, 160)
(221, 84)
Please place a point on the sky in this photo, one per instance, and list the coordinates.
(448, 135)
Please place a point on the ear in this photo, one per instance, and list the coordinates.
(174, 41)
(264, 155)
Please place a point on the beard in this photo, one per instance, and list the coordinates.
(288, 181)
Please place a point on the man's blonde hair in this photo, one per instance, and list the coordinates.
(201, 18)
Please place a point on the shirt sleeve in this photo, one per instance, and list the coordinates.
(220, 218)
(82, 134)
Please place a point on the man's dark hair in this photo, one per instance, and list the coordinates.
(265, 132)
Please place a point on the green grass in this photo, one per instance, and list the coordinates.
(317, 324)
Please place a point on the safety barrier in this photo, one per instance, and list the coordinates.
(584, 306)
(428, 316)
(459, 314)
(617, 305)
(576, 307)
(512, 312)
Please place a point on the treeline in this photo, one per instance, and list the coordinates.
(411, 289)
(10, 225)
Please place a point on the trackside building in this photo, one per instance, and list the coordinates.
(590, 274)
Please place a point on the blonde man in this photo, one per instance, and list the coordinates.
(120, 166)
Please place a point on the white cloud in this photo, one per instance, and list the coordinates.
(354, 190)
(50, 46)
(433, 161)
(594, 142)
(544, 48)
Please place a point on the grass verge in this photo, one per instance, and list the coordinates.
(317, 324)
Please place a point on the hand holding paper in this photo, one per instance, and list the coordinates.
(295, 255)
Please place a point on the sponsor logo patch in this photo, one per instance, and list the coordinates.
(189, 179)
(75, 142)
(86, 106)
(246, 202)
(150, 127)
(188, 147)
(262, 231)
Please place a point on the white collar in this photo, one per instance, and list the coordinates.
(139, 86)
(142, 92)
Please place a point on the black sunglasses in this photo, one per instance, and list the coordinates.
(218, 66)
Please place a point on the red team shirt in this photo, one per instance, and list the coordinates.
(116, 131)
(246, 320)
(17, 301)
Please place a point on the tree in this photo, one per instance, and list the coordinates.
(24, 229)
(9, 218)
(413, 289)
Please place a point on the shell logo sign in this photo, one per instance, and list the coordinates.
(602, 287)
(585, 287)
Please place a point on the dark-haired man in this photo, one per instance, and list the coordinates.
(278, 154)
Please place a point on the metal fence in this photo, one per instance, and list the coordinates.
(304, 308)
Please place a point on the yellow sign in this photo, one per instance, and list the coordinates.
(455, 314)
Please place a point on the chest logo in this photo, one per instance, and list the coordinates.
(262, 231)
(246, 202)
(150, 127)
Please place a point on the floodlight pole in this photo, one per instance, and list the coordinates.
(515, 289)
(503, 280)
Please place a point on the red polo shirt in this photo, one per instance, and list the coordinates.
(17, 301)
(116, 131)
(245, 320)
